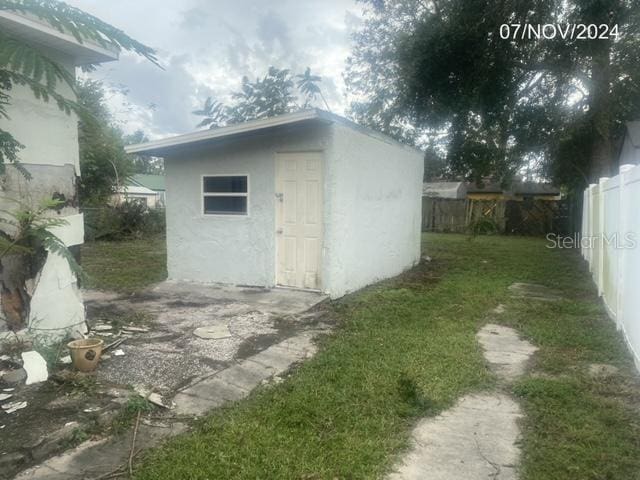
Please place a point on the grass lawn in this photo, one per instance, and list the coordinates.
(405, 349)
(125, 266)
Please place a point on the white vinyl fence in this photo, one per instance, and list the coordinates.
(611, 244)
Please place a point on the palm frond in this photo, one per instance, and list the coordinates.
(81, 25)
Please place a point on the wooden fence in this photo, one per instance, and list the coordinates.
(528, 217)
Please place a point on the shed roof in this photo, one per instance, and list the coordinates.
(167, 146)
(443, 189)
(153, 182)
(39, 32)
(138, 190)
(516, 188)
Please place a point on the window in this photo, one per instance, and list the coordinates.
(225, 195)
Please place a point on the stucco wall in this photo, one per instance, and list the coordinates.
(629, 155)
(50, 137)
(224, 248)
(373, 199)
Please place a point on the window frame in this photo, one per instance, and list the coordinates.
(204, 194)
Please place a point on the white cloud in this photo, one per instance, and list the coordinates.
(207, 46)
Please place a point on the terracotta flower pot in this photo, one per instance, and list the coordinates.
(86, 353)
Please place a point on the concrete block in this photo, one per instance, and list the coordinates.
(247, 375)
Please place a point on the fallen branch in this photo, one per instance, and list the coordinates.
(133, 443)
(114, 344)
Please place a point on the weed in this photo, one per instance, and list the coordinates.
(78, 383)
(129, 413)
(78, 435)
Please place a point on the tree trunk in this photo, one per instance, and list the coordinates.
(601, 153)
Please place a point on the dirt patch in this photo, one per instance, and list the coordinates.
(62, 407)
(424, 274)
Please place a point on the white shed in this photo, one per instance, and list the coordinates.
(306, 200)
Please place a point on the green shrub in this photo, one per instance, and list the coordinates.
(122, 222)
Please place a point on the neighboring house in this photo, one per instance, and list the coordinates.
(145, 188)
(51, 156)
(452, 190)
(517, 191)
(630, 151)
(306, 200)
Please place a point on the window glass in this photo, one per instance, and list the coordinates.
(235, 184)
(225, 205)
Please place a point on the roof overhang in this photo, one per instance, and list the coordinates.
(36, 31)
(202, 138)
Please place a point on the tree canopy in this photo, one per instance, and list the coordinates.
(447, 74)
(104, 165)
(273, 94)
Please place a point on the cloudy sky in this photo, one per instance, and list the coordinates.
(206, 46)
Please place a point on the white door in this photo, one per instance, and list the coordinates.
(299, 219)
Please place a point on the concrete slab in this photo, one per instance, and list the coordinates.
(478, 438)
(505, 351)
(98, 457)
(278, 359)
(474, 440)
(198, 330)
(235, 382)
(246, 375)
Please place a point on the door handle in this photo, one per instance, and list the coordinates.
(279, 231)
(280, 196)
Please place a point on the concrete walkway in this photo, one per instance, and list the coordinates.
(477, 438)
(98, 458)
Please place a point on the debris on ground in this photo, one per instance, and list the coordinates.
(66, 360)
(157, 399)
(35, 366)
(101, 327)
(135, 329)
(5, 396)
(114, 344)
(13, 406)
(118, 353)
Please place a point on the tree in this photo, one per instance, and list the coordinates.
(104, 165)
(426, 66)
(143, 163)
(266, 97)
(308, 86)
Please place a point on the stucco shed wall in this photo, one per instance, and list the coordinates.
(373, 192)
(226, 248)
